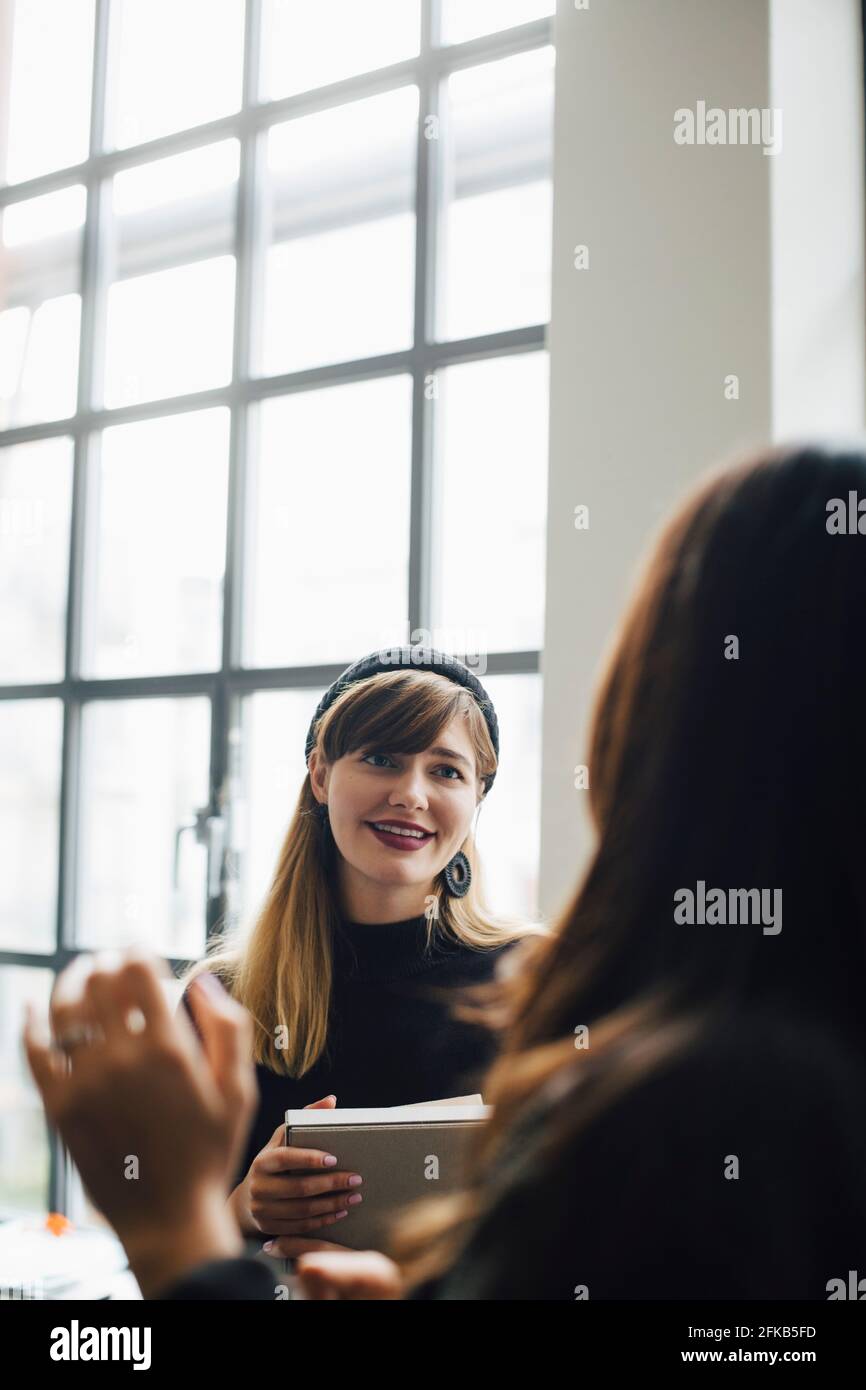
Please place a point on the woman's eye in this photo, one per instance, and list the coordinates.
(458, 775)
(375, 755)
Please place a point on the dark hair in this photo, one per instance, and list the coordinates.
(741, 772)
(746, 772)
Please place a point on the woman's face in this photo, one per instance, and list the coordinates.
(435, 791)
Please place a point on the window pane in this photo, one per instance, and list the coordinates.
(330, 543)
(35, 503)
(170, 306)
(307, 45)
(144, 773)
(495, 230)
(51, 42)
(170, 333)
(272, 769)
(31, 733)
(468, 19)
(172, 203)
(40, 306)
(509, 824)
(341, 230)
(173, 66)
(158, 547)
(491, 424)
(24, 1162)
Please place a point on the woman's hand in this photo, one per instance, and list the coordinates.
(357, 1274)
(276, 1202)
(154, 1120)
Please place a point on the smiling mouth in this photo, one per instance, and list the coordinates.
(399, 838)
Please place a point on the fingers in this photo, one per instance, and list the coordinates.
(226, 1034)
(314, 1184)
(272, 1194)
(93, 997)
(98, 994)
(280, 1212)
(322, 1276)
(47, 1066)
(285, 1158)
(274, 1230)
(306, 1158)
(140, 978)
(277, 1139)
(281, 1217)
(360, 1274)
(290, 1247)
(68, 1009)
(326, 1103)
(106, 998)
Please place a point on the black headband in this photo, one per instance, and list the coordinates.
(411, 659)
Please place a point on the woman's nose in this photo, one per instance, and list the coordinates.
(409, 791)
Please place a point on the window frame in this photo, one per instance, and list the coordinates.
(232, 681)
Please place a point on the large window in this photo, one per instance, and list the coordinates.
(274, 286)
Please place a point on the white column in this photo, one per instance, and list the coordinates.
(686, 245)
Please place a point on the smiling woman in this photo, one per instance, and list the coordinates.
(369, 795)
(373, 930)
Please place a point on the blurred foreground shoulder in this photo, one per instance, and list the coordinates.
(735, 1171)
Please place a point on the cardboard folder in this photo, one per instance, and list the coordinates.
(403, 1153)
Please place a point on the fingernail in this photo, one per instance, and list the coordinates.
(329, 1160)
(355, 1180)
(353, 1201)
(268, 1245)
(341, 1214)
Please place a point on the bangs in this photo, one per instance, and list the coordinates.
(402, 712)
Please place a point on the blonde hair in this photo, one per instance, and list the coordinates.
(282, 973)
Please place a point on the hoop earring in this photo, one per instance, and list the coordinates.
(458, 875)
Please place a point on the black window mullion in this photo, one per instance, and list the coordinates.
(248, 269)
(232, 682)
(89, 371)
(426, 216)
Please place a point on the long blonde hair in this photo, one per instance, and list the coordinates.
(282, 973)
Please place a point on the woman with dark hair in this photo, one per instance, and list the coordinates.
(680, 1104)
(680, 1097)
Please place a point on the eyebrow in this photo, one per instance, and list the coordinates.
(450, 753)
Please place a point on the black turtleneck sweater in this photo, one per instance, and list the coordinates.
(391, 1038)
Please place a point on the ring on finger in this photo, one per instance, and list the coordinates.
(79, 1036)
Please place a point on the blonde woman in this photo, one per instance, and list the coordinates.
(374, 930)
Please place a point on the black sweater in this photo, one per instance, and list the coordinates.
(392, 1039)
(637, 1204)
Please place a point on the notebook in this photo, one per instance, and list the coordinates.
(403, 1153)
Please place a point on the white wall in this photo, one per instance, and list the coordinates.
(686, 246)
(818, 213)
